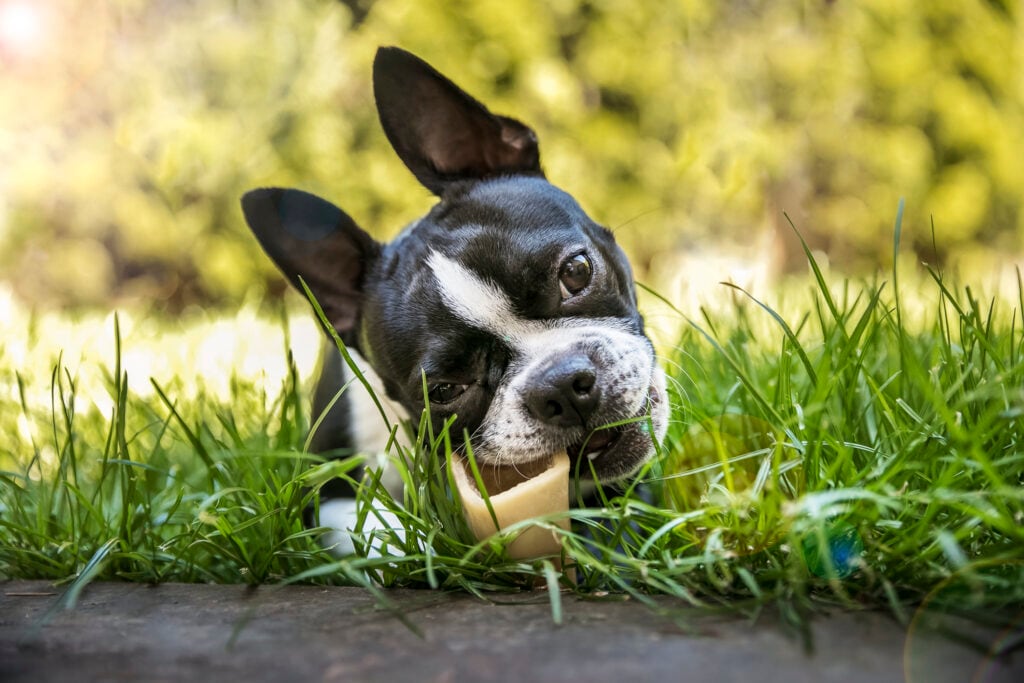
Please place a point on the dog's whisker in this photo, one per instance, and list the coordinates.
(635, 218)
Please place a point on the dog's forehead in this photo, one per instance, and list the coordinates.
(527, 213)
(508, 217)
(516, 201)
(514, 233)
(486, 260)
(520, 227)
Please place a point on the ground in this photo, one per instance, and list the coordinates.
(133, 632)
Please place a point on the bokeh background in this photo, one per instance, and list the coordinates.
(129, 128)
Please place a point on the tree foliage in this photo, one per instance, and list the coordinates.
(130, 128)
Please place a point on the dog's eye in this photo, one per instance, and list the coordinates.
(574, 275)
(445, 393)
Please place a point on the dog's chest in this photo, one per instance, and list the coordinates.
(371, 423)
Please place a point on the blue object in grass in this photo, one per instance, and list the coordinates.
(834, 551)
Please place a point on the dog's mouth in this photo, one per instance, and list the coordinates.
(612, 445)
(630, 440)
(597, 443)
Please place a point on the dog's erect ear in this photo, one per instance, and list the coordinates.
(310, 238)
(441, 133)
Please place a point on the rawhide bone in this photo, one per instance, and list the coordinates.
(517, 493)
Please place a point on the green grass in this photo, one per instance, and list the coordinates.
(862, 448)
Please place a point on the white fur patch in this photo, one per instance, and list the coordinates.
(485, 306)
(370, 432)
(371, 435)
(477, 302)
(342, 516)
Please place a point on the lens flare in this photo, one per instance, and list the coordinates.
(22, 29)
(966, 629)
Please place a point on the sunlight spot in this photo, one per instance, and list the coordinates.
(22, 29)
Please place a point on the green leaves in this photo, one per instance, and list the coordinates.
(130, 143)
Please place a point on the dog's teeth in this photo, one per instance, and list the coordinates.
(595, 454)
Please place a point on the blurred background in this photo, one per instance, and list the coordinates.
(129, 128)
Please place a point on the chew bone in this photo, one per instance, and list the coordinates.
(517, 493)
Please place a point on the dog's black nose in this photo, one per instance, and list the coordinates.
(565, 393)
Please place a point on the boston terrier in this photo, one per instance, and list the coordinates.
(517, 308)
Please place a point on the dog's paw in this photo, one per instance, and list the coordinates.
(381, 529)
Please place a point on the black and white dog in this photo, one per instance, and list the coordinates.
(517, 307)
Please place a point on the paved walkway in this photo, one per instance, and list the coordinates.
(130, 632)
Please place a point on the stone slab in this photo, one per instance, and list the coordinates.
(175, 632)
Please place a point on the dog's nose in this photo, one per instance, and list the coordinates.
(566, 393)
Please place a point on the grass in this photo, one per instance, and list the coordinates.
(861, 445)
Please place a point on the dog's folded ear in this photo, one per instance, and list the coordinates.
(312, 239)
(441, 133)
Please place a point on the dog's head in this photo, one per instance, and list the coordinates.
(517, 308)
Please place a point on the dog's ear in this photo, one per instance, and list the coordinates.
(310, 238)
(441, 133)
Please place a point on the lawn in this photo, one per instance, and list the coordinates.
(833, 441)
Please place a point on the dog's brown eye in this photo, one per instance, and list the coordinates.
(574, 275)
(445, 392)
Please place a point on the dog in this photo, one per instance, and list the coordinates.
(517, 308)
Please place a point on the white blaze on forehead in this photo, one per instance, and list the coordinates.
(482, 304)
(474, 300)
